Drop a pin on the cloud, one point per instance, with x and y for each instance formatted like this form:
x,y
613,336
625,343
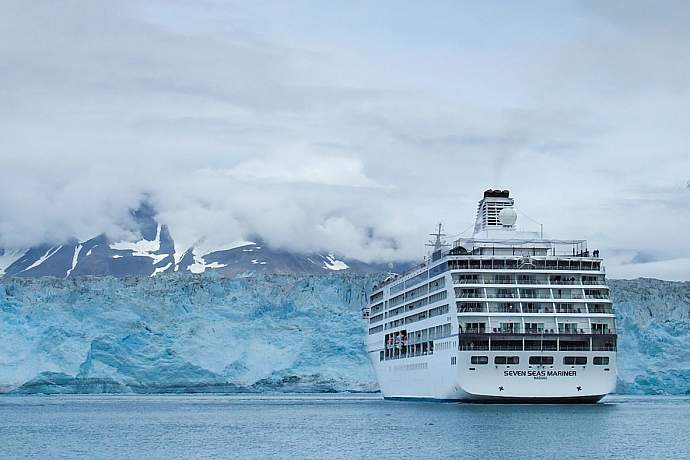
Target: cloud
x,y
346,128
297,165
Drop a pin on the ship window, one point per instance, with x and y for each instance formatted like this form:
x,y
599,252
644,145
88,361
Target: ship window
x,y
601,360
571,360
506,360
541,360
380,355
479,360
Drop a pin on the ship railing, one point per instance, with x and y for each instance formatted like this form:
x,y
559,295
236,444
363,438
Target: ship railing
x,y
506,348
473,347
504,309
470,295
571,310
538,347
502,295
537,310
608,310
550,334
570,295
528,295
546,342
574,331
465,309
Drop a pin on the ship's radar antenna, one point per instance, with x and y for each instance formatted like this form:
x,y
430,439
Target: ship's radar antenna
x,y
438,242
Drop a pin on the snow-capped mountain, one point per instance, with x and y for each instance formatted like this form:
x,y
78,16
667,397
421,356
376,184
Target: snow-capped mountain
x,y
155,252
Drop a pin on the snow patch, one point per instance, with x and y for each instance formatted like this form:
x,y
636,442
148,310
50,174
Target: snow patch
x,y
143,248
158,257
117,256
161,269
75,259
8,257
49,253
239,244
331,263
200,265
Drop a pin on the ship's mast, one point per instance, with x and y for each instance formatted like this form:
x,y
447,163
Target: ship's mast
x,y
438,242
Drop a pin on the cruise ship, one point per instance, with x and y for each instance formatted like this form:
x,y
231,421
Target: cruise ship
x,y
505,316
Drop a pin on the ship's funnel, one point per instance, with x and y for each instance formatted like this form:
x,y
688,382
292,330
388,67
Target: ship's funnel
x,y
495,212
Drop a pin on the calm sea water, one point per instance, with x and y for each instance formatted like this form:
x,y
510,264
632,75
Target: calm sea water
x,y
325,426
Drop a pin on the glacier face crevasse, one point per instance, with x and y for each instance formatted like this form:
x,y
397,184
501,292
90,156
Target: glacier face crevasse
x,y
181,333
177,333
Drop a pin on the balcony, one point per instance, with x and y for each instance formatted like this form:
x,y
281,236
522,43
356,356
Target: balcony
x,y
603,331
507,346
541,345
538,331
573,331
568,295
504,309
468,281
537,309
515,329
463,308
502,295
570,309
470,295
602,296
532,281
601,309
538,295
499,281
564,282
533,342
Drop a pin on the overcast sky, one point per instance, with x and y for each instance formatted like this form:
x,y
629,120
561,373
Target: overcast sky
x,y
349,126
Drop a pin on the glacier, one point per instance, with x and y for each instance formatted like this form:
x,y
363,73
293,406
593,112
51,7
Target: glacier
x,y
266,333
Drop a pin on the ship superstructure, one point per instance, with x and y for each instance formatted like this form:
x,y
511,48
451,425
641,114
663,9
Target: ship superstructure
x,y
503,316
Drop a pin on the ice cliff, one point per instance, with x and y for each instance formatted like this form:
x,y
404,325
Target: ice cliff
x,y
653,319
177,333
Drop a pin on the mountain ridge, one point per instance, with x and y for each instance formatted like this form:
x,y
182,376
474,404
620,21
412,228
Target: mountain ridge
x,y
156,252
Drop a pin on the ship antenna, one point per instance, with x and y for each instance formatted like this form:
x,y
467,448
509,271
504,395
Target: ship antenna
x,y
438,242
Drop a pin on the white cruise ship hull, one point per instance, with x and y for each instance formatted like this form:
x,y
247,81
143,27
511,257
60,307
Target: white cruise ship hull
x,y
505,316
431,378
